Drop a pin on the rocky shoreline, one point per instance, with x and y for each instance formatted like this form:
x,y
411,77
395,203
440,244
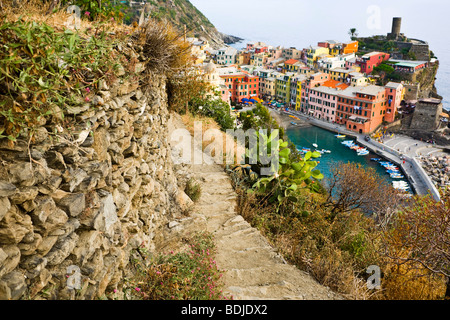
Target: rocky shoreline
x,y
438,168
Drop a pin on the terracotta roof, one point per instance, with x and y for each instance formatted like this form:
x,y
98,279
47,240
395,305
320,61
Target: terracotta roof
x,y
291,61
335,84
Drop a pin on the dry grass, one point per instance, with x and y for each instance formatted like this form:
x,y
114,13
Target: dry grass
x,y
208,144
37,10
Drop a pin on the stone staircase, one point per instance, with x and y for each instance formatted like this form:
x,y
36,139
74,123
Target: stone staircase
x,y
253,269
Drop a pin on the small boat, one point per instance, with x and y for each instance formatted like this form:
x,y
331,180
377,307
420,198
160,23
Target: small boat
x,y
396,176
325,151
375,159
315,145
363,153
393,171
340,136
392,168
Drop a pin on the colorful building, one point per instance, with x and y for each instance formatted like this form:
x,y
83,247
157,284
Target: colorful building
x,y
350,47
241,84
291,53
313,53
313,81
226,56
371,60
283,87
395,94
364,109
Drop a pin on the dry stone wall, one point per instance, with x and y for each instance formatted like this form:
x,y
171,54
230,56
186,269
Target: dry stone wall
x,y
79,202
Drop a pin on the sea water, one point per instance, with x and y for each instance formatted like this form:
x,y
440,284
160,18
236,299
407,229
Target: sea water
x,y
305,137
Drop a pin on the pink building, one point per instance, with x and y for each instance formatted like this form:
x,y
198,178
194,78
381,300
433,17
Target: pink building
x,y
314,80
323,103
394,94
371,60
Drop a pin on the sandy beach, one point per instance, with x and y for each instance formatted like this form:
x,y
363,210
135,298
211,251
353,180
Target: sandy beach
x,y
285,121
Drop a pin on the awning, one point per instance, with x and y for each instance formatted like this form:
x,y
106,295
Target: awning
x,y
352,118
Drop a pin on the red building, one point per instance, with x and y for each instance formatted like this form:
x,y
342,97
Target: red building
x,y
371,60
241,85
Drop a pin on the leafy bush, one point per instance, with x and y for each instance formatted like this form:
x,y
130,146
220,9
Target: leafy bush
x,y
44,71
193,190
190,274
287,176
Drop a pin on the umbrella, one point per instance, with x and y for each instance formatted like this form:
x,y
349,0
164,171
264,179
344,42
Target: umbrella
x,y
252,101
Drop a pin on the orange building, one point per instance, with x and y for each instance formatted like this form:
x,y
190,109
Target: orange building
x,y
362,109
241,85
351,47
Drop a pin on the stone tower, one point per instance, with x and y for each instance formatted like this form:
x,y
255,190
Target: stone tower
x,y
396,28
426,115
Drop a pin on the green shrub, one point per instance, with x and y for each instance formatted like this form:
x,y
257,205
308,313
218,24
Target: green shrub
x,y
193,190
191,274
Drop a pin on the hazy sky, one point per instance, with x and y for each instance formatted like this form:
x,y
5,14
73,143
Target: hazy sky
x,y
300,23
307,22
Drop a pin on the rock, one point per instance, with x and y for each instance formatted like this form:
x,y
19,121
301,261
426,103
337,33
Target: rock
x,y
55,160
30,248
14,226
40,283
47,217
73,179
7,189
88,243
34,265
62,249
22,173
5,205
24,194
73,204
12,286
11,258
107,216
77,110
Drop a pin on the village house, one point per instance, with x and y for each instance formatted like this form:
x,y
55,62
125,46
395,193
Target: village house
x,y
291,53
267,83
240,83
408,66
313,81
313,53
212,76
371,60
283,87
364,109
226,56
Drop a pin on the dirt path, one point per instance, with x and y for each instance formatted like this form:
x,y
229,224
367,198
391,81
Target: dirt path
x,y
253,268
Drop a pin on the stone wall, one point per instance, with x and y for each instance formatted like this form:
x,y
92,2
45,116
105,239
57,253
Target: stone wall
x,y
75,204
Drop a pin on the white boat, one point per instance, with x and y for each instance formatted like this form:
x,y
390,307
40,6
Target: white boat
x,y
363,153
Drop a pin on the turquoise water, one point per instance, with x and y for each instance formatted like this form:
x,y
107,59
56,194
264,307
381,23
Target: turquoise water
x,y
306,137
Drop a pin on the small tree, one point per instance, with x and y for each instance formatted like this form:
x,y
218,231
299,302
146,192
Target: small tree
x,y
352,187
353,32
421,234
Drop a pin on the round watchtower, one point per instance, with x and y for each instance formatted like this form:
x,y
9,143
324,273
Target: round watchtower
x,y
396,26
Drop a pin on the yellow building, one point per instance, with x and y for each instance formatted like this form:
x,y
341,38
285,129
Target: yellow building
x,y
313,53
283,87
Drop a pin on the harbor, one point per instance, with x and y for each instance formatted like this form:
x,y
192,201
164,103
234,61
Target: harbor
x,y
419,182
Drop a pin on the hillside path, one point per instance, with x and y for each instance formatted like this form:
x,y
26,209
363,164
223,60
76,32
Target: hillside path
x,y
253,270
